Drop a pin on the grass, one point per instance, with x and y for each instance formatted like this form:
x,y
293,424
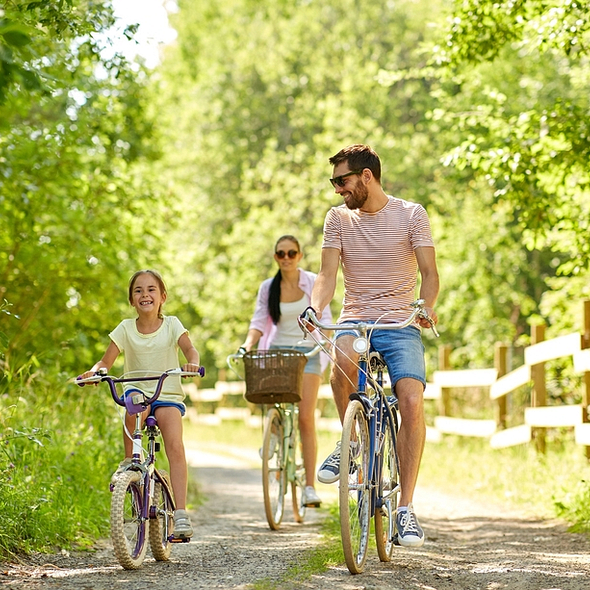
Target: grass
x,y
545,485
59,445
57,449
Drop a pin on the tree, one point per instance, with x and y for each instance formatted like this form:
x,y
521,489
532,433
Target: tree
x,y
79,211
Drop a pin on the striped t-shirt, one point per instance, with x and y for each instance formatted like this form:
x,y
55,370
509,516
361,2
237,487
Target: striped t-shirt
x,y
377,256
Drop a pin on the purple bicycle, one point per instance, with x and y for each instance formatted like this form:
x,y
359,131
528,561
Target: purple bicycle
x,y
142,503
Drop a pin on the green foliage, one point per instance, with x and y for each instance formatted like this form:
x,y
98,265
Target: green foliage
x,y
57,450
574,507
520,111
80,210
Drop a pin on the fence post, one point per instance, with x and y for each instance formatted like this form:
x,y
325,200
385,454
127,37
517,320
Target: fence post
x,y
500,364
586,387
444,364
539,393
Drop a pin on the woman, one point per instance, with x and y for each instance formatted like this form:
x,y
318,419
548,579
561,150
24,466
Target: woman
x,y
274,325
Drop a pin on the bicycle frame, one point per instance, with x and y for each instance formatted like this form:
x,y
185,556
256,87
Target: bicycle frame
x,y
369,464
377,412
142,502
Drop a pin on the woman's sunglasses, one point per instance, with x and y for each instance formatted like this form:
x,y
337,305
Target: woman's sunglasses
x,y
291,254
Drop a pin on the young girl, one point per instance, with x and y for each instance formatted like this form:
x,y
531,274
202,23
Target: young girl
x,y
150,343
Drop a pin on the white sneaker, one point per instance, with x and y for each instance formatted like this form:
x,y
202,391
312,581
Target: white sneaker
x,y
310,498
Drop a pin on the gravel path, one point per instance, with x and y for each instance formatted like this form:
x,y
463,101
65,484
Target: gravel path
x,y
469,546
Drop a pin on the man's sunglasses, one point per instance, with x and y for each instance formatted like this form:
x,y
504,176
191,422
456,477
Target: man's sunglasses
x,y
291,254
339,180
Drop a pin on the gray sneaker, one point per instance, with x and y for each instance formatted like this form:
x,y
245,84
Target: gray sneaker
x,y
182,525
329,471
409,531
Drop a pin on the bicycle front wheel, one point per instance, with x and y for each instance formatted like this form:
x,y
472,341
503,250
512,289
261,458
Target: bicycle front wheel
x,y
388,490
161,519
128,528
274,472
354,493
298,474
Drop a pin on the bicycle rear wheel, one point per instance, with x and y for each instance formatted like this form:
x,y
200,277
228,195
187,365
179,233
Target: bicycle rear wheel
x,y
161,519
354,493
128,529
274,472
388,490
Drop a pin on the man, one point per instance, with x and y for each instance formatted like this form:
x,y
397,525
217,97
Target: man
x,y
381,242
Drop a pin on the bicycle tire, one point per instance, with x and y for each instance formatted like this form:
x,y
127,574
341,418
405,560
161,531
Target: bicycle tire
x,y
355,488
388,490
298,474
129,530
161,519
274,472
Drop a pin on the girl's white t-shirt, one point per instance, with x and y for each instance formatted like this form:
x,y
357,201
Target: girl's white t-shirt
x,y
152,352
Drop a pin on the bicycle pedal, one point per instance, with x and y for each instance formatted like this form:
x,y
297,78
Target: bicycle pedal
x,y
172,539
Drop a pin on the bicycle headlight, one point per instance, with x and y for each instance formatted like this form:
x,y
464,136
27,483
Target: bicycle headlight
x,y
360,345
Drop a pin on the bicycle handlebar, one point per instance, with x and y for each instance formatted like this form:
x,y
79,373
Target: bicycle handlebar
x,y
309,315
101,375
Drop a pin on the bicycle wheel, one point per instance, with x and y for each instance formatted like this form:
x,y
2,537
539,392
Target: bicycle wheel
x,y
388,489
298,475
161,519
128,528
274,473
354,493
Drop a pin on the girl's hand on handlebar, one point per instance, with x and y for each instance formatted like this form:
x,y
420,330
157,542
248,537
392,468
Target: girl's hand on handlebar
x,y
190,368
88,375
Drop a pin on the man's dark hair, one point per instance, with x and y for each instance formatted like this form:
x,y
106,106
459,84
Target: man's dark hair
x,y
359,157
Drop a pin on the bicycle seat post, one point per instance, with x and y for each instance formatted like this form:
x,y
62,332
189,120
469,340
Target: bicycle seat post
x,y
137,436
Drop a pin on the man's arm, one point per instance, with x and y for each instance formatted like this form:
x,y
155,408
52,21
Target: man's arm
x,y
426,257
325,283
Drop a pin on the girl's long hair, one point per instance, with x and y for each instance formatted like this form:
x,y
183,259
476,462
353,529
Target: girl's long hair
x,y
274,295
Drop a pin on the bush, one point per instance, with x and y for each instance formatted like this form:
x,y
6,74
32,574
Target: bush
x,y
59,445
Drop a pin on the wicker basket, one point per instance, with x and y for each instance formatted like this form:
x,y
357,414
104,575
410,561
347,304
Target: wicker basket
x,y
274,376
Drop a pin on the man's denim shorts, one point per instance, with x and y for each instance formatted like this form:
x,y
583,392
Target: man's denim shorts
x,y
402,350
312,366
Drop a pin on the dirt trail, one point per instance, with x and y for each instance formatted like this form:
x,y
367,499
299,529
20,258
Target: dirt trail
x,y
469,546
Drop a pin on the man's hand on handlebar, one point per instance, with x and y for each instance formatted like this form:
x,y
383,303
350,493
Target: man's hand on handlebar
x,y
304,323
431,320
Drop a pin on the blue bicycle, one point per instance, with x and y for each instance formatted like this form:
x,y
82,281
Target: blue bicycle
x,y
370,487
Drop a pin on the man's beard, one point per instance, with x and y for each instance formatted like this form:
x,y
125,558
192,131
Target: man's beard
x,y
357,196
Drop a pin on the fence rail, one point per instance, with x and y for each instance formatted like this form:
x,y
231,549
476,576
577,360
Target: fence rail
x,y
501,384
